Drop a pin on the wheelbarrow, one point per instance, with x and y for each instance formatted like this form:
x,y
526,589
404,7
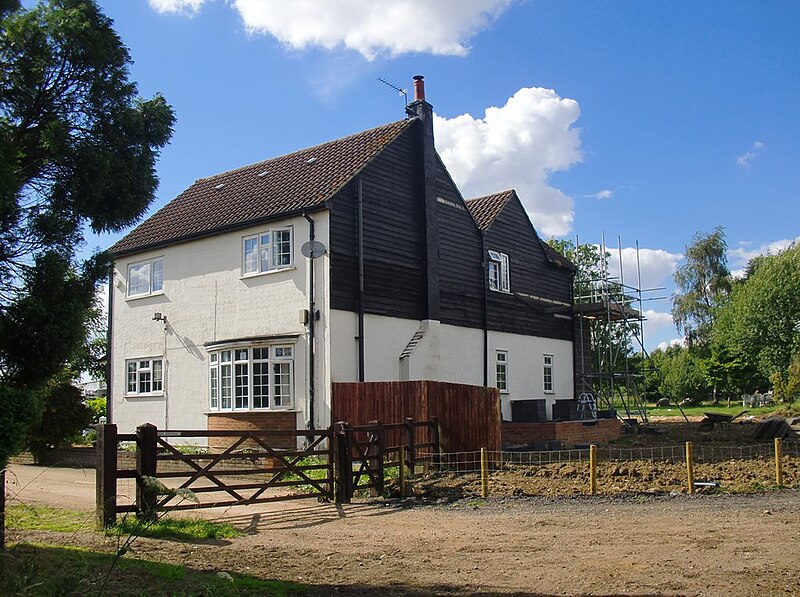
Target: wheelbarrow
x,y
720,420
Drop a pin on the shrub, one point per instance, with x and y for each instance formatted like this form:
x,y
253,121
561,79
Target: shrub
x,y
64,417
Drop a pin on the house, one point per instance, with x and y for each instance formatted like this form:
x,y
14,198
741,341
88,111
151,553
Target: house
x,y
241,301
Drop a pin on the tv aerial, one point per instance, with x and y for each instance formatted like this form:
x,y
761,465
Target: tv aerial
x,y
399,90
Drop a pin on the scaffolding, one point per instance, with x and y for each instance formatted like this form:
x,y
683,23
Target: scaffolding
x,y
609,318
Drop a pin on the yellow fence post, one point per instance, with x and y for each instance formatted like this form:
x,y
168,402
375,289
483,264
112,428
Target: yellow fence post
x,y
778,456
592,469
689,467
402,471
484,473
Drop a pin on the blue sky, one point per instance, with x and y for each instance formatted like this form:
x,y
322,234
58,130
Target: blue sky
x,y
647,121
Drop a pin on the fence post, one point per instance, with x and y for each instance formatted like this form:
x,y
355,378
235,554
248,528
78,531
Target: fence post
x,y
412,450
106,475
402,471
778,457
592,469
689,467
484,473
436,441
146,495
344,464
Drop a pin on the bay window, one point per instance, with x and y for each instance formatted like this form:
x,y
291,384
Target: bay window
x,y
251,378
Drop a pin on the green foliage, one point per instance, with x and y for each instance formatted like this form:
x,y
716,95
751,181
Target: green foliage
x,y
760,322
18,410
681,375
45,518
786,384
63,418
50,570
175,528
78,149
98,406
703,282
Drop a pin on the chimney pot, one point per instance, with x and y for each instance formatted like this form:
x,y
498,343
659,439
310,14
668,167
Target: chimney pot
x,y
419,88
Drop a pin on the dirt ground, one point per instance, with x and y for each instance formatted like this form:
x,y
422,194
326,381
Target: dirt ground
x,y
638,544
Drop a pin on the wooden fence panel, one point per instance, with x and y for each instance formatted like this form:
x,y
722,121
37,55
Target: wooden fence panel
x,y
469,415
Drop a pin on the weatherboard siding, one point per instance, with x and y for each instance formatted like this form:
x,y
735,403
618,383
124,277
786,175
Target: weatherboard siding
x,y
530,273
393,229
460,263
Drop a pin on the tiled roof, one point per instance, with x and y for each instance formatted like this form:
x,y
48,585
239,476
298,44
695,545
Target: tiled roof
x,y
485,209
287,184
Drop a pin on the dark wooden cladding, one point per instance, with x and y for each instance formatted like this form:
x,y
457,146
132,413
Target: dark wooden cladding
x,y
469,415
393,228
530,273
460,270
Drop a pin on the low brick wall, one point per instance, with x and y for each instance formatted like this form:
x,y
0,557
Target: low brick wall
x,y
247,421
569,433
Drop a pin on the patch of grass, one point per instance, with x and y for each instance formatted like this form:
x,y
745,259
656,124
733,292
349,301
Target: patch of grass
x,y
700,409
44,570
175,528
44,518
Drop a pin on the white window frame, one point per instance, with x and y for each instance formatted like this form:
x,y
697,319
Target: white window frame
x,y
155,277
548,374
144,377
499,272
266,254
238,364
501,363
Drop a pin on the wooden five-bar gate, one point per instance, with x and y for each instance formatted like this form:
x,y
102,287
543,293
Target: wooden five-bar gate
x,y
255,466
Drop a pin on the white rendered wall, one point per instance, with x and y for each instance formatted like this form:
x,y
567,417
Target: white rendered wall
x,y
450,353
206,299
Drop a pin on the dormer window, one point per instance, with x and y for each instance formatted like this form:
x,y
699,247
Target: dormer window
x,y
499,276
267,251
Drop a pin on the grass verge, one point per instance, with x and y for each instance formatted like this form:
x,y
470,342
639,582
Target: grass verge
x,y
187,529
35,569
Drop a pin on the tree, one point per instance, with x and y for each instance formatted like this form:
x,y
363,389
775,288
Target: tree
x,y
760,322
703,282
682,376
77,148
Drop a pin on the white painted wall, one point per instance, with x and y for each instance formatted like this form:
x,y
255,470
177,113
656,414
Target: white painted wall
x,y
206,299
450,353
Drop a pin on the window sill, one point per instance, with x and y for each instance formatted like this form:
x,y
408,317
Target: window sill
x,y
267,273
500,291
251,411
550,392
151,395
136,297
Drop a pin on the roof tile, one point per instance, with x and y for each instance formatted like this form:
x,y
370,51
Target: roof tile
x,y
254,193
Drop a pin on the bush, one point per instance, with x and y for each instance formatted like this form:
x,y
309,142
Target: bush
x,y
99,408
64,417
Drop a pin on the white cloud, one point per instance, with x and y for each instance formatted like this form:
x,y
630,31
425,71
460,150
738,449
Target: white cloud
x,y
673,342
516,146
604,194
370,28
740,256
656,266
184,7
743,161
656,321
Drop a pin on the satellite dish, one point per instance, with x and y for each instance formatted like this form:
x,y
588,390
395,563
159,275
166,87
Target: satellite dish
x,y
312,249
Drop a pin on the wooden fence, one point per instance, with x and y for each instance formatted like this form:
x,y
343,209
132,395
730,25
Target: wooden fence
x,y
333,464
469,416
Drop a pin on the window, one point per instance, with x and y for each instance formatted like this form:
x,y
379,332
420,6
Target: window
x,y
502,371
251,378
548,374
267,251
144,376
499,272
146,277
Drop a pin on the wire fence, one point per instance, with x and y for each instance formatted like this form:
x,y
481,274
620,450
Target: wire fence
x,y
470,462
